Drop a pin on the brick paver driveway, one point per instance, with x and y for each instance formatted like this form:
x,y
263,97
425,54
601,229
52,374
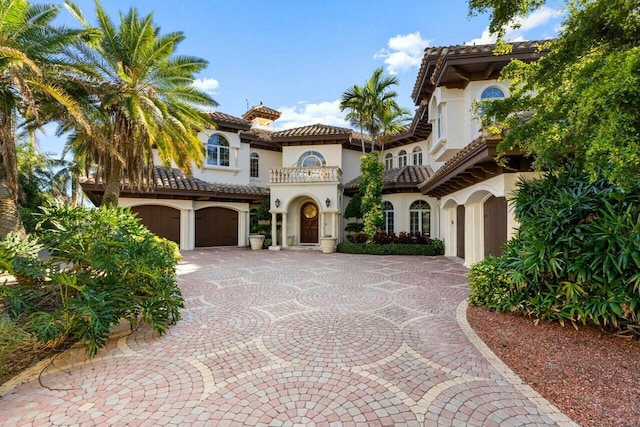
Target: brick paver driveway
x,y
293,338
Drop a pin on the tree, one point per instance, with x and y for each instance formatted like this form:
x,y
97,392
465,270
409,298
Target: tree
x,y
371,189
145,100
583,97
373,107
29,76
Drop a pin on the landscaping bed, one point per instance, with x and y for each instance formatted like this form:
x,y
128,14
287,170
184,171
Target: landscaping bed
x,y
591,376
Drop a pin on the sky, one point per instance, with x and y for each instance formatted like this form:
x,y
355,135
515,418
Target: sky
x,y
299,56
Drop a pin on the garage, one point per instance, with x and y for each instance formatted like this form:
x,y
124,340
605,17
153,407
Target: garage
x,y
162,221
216,227
495,225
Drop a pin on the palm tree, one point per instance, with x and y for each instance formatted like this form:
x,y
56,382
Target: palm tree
x,y
145,100
29,72
374,107
392,121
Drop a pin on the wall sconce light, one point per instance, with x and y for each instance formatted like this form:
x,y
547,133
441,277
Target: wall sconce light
x,y
277,203
327,202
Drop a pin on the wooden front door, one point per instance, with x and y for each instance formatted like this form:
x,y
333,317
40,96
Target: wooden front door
x,y
495,225
460,231
216,227
309,223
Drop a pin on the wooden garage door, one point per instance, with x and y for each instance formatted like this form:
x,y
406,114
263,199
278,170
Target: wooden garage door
x,y
495,225
162,221
460,231
216,227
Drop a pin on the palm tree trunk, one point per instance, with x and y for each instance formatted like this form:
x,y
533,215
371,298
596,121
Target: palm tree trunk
x,y
10,220
111,194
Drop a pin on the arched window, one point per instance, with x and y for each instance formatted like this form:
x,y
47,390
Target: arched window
x,y
254,167
388,161
310,159
417,156
420,218
491,93
402,158
388,216
218,151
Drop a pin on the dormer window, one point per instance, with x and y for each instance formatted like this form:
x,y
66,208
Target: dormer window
x,y
218,153
311,159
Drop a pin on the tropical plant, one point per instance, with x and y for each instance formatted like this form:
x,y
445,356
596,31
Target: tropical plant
x,y
30,72
104,266
370,187
145,100
373,107
581,96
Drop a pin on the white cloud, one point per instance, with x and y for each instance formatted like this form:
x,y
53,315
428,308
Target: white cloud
x,y
303,114
207,85
403,53
534,20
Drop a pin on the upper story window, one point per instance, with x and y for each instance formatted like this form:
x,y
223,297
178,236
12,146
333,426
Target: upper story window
x,y
388,216
402,158
491,93
439,124
218,151
310,159
388,161
254,167
417,156
420,218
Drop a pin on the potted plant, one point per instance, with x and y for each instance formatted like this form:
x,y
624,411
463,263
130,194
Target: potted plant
x,y
328,244
256,241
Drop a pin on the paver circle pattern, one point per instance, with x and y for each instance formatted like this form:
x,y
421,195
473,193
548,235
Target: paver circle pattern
x,y
292,338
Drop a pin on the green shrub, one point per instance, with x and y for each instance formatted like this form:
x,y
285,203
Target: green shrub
x,y
576,256
489,284
354,227
435,248
103,267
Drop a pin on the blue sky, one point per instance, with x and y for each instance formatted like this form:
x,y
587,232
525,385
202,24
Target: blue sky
x,y
299,56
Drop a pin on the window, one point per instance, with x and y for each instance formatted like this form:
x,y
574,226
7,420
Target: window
x,y
417,156
402,158
492,93
420,218
388,216
388,161
254,167
217,151
310,159
439,122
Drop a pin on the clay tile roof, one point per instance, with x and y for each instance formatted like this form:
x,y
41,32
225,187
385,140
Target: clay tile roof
x,y
227,120
175,179
313,130
262,111
406,177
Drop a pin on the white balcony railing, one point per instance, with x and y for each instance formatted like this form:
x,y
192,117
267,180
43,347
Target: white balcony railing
x,y
303,175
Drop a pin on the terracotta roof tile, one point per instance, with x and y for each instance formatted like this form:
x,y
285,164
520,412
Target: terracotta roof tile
x,y
224,119
313,130
404,177
261,111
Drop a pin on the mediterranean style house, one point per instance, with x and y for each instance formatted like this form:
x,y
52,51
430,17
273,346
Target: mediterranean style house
x,y
441,177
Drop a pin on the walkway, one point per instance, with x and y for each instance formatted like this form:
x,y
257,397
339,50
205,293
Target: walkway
x,y
293,338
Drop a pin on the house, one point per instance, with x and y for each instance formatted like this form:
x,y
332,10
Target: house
x,y
440,178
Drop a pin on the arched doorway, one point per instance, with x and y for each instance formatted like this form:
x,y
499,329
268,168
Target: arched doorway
x,y
162,221
309,223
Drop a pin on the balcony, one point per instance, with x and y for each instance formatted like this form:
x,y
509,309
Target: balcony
x,y
304,175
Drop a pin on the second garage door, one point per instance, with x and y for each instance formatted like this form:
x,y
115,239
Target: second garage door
x,y
216,227
160,220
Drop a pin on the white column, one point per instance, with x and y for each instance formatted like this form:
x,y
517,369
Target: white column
x,y
334,231
473,233
274,231
284,230
242,229
321,230
187,229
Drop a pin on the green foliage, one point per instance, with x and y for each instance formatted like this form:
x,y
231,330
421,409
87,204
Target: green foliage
x,y
435,248
354,227
576,257
489,284
583,95
103,267
354,207
371,189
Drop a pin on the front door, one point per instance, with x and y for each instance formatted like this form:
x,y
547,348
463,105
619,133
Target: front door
x,y
309,223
